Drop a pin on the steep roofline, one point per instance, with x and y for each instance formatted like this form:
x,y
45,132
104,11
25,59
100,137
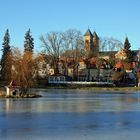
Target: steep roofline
x,y
88,33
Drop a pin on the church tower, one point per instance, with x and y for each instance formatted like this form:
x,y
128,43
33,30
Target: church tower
x,y
95,43
91,44
88,43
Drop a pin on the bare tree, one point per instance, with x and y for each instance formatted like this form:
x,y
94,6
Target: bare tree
x,y
72,44
110,44
23,70
52,43
73,41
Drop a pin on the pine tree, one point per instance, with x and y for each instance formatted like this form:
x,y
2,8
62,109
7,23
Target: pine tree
x,y
6,58
28,43
127,49
127,45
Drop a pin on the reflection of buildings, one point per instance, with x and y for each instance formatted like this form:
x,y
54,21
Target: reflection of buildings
x,y
78,101
19,105
8,105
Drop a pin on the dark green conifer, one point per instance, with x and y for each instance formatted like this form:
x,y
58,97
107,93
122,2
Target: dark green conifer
x,y
127,49
29,42
127,45
6,57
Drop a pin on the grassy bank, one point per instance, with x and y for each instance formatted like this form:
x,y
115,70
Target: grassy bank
x,y
90,88
101,88
114,88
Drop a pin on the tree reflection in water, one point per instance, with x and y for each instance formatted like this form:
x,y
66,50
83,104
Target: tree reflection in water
x,y
71,114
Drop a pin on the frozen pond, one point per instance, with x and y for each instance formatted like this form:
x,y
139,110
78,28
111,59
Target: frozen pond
x,y
71,115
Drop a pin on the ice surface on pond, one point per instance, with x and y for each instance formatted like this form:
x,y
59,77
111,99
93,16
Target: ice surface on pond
x,y
71,115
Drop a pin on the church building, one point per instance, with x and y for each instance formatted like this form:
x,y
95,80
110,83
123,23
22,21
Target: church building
x,y
91,44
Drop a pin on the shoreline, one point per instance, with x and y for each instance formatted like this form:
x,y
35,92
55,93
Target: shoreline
x,y
89,88
97,89
27,95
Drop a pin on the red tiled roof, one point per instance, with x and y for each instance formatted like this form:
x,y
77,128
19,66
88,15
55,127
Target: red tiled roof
x,y
119,65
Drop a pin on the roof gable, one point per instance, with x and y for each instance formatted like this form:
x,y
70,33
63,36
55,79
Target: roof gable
x,y
88,33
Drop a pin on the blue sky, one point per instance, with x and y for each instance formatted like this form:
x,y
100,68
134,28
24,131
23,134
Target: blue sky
x,y
109,18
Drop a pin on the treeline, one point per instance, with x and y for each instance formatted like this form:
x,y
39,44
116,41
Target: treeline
x,y
15,65
22,66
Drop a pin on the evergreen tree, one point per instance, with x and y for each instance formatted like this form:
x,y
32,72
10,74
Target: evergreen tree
x,y
127,45
6,58
127,49
28,43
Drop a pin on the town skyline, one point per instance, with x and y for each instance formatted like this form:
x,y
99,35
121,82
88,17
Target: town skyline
x,y
116,19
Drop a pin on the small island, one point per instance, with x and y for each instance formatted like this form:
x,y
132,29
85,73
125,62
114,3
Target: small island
x,y
28,95
13,91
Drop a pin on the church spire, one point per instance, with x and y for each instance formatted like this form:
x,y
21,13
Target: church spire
x,y
95,35
88,33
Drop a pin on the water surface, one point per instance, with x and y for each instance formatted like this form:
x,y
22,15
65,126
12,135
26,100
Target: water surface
x,y
71,115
